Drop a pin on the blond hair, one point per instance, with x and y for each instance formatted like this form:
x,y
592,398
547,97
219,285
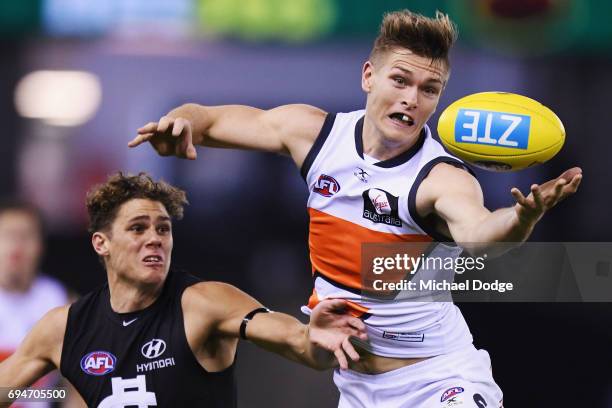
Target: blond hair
x,y
426,37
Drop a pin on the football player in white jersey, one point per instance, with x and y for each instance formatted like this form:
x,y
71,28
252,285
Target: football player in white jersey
x,y
25,295
404,77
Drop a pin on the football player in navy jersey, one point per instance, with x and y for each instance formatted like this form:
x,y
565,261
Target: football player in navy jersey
x,y
156,337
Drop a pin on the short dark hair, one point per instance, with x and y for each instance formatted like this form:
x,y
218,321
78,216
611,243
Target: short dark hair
x,y
104,200
424,36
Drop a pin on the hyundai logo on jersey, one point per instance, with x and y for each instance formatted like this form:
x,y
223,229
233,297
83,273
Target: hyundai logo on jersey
x,y
98,363
326,185
380,207
153,348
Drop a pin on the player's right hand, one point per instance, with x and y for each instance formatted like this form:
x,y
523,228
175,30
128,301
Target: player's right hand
x,y
543,197
169,137
331,327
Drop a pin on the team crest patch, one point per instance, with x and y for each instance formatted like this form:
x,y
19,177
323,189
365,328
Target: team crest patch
x,y
381,207
451,392
326,186
98,363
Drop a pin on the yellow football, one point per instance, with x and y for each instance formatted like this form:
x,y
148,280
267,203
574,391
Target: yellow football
x,y
501,131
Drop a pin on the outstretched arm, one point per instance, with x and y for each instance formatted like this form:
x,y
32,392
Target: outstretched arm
x,y
314,345
456,197
39,353
331,326
288,129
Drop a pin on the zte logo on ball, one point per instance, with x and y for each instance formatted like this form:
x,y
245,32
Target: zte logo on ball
x,y
326,185
492,128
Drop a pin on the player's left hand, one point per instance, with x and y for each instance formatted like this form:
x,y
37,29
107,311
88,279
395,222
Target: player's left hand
x,y
170,136
331,326
545,196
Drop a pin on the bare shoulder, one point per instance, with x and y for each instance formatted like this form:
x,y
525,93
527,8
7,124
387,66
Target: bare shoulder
x,y
209,291
53,324
445,180
446,175
217,299
212,308
199,297
298,126
47,337
304,120
200,313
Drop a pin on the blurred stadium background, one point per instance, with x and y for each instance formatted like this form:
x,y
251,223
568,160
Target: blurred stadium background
x,y
79,76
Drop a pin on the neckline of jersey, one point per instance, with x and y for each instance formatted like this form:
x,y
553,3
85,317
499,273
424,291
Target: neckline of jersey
x,y
120,318
393,161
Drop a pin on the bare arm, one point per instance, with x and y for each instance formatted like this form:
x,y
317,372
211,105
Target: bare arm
x,y
330,327
316,344
288,129
456,197
38,354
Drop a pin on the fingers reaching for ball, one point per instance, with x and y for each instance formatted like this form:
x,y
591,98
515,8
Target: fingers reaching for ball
x,y
545,196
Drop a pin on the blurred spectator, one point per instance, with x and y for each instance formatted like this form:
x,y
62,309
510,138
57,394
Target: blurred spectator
x,y
25,295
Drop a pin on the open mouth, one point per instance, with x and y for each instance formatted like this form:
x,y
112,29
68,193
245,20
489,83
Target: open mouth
x,y
402,119
153,260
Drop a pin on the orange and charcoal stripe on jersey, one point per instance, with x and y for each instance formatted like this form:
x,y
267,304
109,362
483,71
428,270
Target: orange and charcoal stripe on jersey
x,y
355,309
335,246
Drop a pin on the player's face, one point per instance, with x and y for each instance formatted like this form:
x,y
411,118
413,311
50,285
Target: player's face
x,y
140,242
20,249
403,92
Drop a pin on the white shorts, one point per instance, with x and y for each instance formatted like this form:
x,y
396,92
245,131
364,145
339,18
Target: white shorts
x,y
459,379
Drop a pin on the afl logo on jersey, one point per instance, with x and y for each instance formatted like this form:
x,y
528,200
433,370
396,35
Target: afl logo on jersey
x,y
153,348
381,207
326,185
98,363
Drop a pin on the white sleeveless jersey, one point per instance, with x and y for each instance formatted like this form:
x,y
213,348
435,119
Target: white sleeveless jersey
x,y
20,311
353,201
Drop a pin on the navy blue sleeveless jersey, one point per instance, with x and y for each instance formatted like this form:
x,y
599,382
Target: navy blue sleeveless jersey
x,y
142,358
